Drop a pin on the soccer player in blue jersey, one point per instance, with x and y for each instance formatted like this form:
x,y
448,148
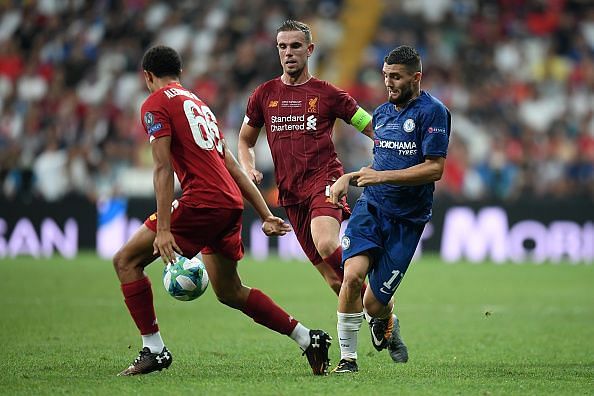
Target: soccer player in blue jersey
x,y
412,132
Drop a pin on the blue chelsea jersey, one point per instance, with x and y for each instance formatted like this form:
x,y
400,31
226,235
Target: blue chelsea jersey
x,y
403,139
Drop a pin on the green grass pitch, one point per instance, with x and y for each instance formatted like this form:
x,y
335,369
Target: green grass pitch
x,y
482,329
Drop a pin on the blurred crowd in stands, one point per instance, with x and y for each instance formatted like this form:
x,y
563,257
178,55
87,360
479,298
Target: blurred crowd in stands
x,y
517,75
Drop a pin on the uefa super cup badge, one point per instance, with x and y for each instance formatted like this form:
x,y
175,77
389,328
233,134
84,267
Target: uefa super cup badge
x,y
409,125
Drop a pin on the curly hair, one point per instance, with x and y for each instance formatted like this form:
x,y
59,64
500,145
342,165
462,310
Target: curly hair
x,y
162,61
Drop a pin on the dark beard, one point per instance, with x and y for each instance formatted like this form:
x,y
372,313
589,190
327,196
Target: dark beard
x,y
403,98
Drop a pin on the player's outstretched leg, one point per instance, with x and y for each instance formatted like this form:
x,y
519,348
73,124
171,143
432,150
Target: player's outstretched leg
x,y
317,351
262,309
147,362
398,351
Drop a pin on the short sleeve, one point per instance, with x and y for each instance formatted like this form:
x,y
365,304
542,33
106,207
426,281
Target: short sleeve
x,y
254,116
344,104
436,131
155,118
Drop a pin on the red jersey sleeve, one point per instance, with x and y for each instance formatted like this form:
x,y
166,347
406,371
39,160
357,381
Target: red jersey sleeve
x,y
254,114
155,118
344,105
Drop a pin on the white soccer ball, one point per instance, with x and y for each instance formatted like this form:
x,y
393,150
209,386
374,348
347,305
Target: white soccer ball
x,y
186,279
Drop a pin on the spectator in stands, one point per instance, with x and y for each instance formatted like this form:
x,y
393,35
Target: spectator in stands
x,y
526,64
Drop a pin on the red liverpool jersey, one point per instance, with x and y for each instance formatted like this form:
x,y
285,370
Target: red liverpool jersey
x,y
299,121
196,147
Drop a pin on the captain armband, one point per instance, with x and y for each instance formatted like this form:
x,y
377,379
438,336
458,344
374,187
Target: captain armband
x,y
360,119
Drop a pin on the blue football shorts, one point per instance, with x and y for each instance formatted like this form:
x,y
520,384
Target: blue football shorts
x,y
390,242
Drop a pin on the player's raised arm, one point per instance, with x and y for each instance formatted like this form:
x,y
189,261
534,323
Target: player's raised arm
x,y
248,135
271,225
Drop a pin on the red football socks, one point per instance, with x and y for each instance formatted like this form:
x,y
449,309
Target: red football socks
x,y
264,311
139,300
335,261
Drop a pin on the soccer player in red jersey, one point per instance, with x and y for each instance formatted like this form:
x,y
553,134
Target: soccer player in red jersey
x,y
185,138
299,112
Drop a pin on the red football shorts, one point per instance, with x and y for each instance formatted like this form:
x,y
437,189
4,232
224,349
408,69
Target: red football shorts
x,y
206,230
301,215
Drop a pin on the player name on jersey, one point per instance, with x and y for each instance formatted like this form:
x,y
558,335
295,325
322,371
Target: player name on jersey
x,y
173,92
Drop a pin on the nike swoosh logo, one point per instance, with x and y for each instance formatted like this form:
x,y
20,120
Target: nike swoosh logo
x,y
379,126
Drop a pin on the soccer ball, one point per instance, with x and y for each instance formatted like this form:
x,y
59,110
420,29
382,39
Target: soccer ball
x,y
186,279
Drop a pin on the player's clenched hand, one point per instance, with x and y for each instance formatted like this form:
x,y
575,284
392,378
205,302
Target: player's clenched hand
x,y
255,175
367,176
164,245
275,226
339,189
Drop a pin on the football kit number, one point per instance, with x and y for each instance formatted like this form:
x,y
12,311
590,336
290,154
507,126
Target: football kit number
x,y
204,127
